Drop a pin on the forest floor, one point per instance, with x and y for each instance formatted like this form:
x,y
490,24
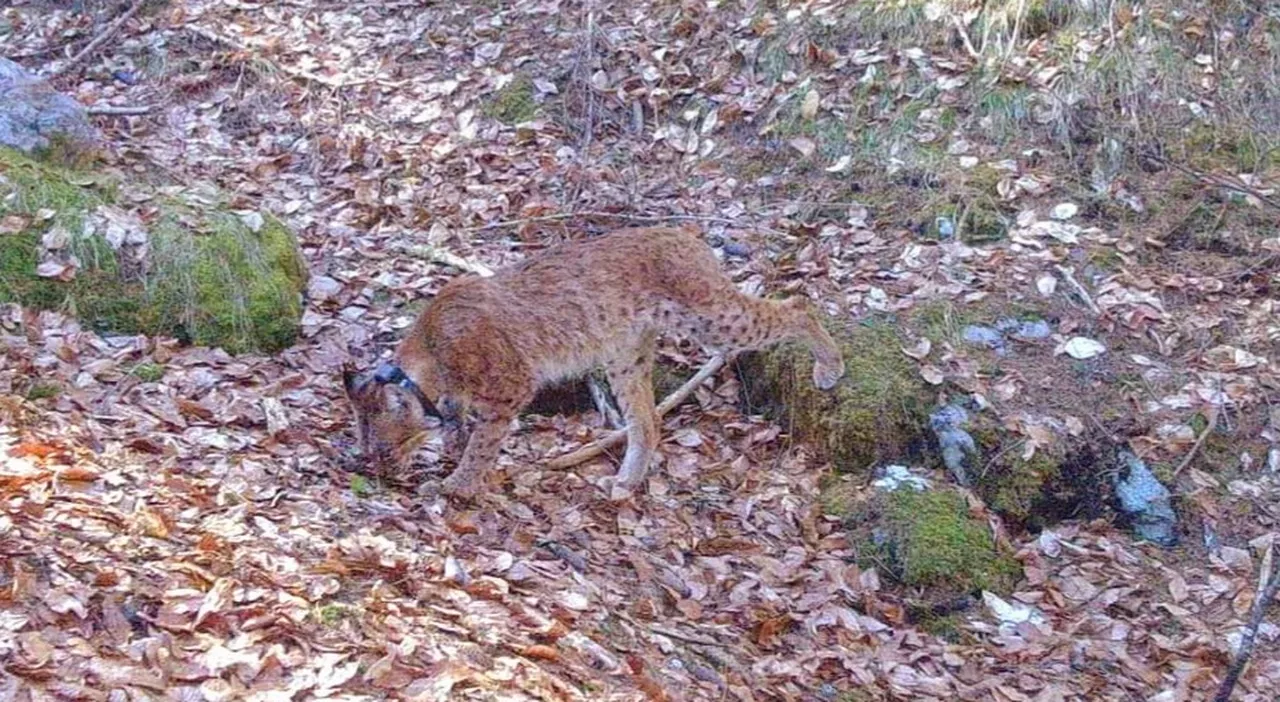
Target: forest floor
x,y
177,522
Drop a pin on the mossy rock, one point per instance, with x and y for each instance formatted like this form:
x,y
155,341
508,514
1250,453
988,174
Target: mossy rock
x,y
930,543
1063,480
1016,487
878,411
203,276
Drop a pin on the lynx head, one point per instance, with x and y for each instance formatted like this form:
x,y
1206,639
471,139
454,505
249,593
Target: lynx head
x,y
391,417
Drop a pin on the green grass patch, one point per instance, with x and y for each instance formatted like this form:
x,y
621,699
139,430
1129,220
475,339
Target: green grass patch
x,y
361,486
148,372
513,103
43,391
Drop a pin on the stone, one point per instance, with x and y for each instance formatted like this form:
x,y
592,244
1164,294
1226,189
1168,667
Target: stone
x,y
34,117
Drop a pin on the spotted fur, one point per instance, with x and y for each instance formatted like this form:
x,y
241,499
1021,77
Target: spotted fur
x,y
484,346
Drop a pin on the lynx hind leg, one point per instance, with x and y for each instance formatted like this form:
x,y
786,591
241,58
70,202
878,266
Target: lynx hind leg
x,y
741,322
631,378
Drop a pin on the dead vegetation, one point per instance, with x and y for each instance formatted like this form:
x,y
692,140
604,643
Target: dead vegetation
x,y
901,162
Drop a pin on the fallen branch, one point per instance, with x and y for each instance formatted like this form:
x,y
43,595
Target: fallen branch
x,y
118,110
1079,290
1216,180
448,258
1213,423
614,438
1266,593
615,215
964,36
604,402
99,40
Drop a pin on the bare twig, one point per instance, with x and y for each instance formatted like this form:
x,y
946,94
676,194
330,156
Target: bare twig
x,y
1216,180
614,438
589,127
1266,593
448,258
615,215
687,638
1079,290
118,110
299,73
668,632
1213,423
99,40
604,402
964,36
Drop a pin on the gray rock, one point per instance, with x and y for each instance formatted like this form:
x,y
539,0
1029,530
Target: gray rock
x,y
1146,501
1034,329
995,336
957,445
979,335
1024,330
322,288
32,113
895,477
945,227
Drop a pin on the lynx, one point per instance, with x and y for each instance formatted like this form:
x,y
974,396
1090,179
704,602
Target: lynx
x,y
482,348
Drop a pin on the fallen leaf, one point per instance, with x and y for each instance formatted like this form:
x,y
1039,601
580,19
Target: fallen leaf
x,y
1081,348
920,349
809,107
1064,211
539,652
804,145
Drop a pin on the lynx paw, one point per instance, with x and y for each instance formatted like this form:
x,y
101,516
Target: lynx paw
x,y
617,490
826,376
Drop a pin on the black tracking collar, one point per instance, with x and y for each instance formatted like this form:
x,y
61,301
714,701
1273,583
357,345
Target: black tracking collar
x,y
391,374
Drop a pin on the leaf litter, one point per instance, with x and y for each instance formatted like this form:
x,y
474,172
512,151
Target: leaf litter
x,y
193,535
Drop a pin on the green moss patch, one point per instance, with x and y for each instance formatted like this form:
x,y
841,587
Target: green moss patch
x,y
513,103
1015,487
929,542
938,543
206,276
879,410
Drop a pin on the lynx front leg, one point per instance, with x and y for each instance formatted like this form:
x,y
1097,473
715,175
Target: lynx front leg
x,y
480,454
631,378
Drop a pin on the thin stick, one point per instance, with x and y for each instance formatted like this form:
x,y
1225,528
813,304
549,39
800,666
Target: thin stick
x,y
615,215
287,70
591,94
448,258
964,35
99,40
614,438
1213,423
118,110
1266,595
604,402
1213,179
1070,277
